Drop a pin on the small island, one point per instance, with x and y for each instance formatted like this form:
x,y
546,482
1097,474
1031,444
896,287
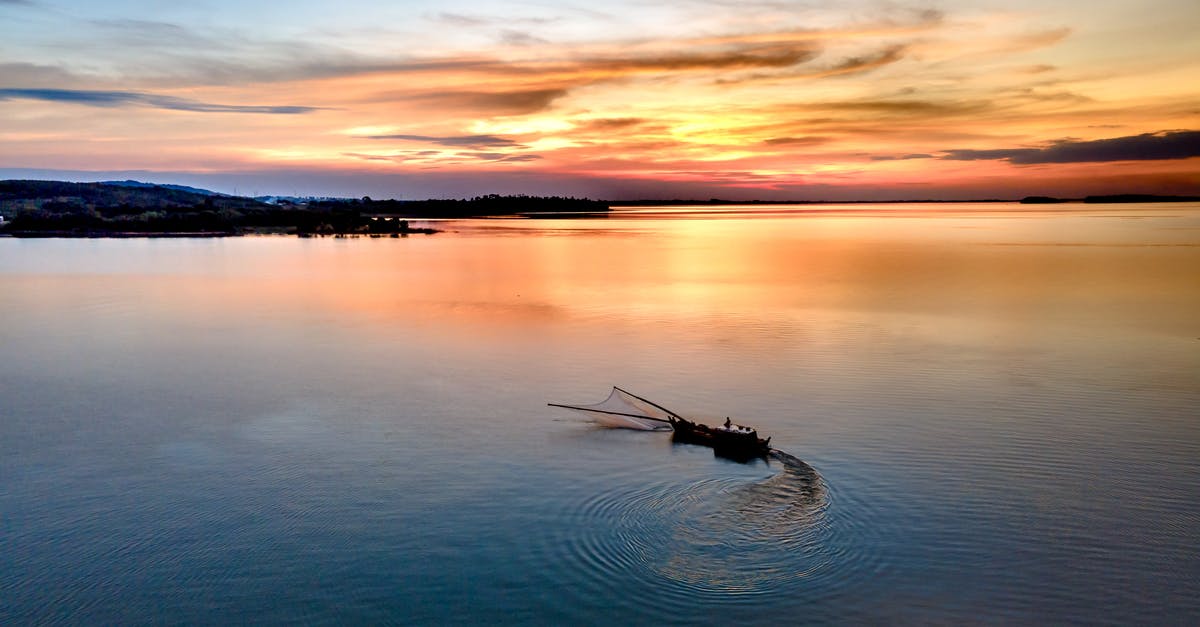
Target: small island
x,y
135,209
1108,199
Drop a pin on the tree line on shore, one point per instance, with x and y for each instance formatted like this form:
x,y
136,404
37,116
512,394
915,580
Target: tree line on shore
x,y
45,207
32,208
479,206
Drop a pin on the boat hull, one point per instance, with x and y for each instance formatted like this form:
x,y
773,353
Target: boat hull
x,y
736,445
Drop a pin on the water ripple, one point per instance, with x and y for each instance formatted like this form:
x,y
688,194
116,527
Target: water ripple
x,y
717,540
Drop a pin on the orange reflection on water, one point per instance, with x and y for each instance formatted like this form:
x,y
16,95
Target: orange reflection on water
x,y
988,270
985,273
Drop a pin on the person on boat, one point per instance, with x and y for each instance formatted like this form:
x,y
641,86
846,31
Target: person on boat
x,y
727,422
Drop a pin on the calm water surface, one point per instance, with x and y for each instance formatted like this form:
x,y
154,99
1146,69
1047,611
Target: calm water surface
x,y
995,407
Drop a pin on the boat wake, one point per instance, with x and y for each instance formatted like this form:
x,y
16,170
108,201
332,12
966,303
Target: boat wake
x,y
722,538
744,538
687,534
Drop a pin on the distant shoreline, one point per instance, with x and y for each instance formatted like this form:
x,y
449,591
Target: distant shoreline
x,y
1103,199
128,209
116,234
101,234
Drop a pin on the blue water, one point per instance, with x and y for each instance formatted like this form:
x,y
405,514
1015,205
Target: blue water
x,y
992,411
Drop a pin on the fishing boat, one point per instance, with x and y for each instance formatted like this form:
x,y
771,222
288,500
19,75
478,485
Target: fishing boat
x,y
627,410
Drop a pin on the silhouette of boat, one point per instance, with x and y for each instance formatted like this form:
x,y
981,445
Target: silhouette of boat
x,y
627,410
729,440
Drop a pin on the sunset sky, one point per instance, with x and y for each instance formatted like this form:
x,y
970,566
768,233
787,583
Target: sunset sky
x,y
767,99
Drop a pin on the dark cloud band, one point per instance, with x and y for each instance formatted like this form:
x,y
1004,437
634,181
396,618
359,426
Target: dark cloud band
x,y
455,141
94,98
1145,147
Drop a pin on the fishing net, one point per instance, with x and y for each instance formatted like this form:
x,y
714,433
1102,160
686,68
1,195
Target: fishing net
x,y
625,411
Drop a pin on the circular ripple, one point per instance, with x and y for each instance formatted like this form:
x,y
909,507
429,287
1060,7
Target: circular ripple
x,y
713,541
852,532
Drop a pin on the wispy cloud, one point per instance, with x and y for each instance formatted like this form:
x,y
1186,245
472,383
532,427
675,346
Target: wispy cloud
x,y
37,75
612,124
795,141
866,63
546,82
751,56
155,52
514,102
460,19
859,64
438,158
1042,39
520,38
894,106
501,157
994,154
908,157
143,32
1163,145
467,20
457,141
95,98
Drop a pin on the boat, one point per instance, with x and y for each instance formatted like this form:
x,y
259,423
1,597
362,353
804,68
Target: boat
x,y
728,440
624,409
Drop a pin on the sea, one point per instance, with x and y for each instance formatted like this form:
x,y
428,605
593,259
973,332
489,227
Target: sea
x,y
983,414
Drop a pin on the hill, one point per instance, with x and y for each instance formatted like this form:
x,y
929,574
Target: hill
x,y
116,208
62,208
111,197
182,188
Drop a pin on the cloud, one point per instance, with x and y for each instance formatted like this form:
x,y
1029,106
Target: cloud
x,y
612,124
367,157
135,31
520,38
1043,38
847,67
751,56
520,158
163,53
917,155
795,141
404,156
857,65
888,116
495,103
1039,69
456,141
1145,147
839,111
437,158
460,19
987,155
33,74
893,106
152,52
95,98
585,69
500,157
561,76
463,20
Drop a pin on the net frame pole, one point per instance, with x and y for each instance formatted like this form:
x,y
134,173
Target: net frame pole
x,y
652,403
614,413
